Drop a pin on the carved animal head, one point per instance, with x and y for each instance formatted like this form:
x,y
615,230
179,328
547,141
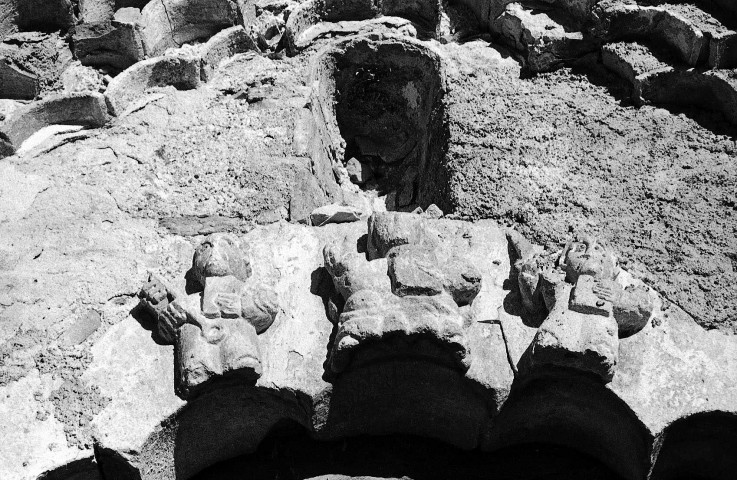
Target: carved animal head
x,y
588,256
220,255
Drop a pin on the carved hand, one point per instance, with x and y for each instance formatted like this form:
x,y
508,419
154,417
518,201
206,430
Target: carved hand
x,y
608,290
155,296
229,304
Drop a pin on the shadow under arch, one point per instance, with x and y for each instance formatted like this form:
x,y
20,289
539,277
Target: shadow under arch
x,y
221,423
578,412
700,446
296,457
408,397
379,98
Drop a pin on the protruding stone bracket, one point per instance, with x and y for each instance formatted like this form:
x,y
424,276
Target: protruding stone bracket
x,y
215,328
588,303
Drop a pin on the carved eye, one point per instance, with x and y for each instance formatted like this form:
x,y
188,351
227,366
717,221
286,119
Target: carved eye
x,y
581,248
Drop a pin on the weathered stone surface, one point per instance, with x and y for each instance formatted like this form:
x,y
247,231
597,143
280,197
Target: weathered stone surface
x,y
180,72
232,419
117,44
674,369
421,316
301,39
632,61
32,62
223,45
172,23
614,21
215,327
81,329
91,11
713,90
44,15
655,81
721,39
77,78
359,172
42,445
420,270
588,302
334,214
17,83
569,339
268,30
8,17
76,109
545,42
81,236
17,192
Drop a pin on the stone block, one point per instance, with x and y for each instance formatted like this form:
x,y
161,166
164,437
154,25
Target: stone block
x,y
172,23
16,83
334,214
414,271
116,44
545,42
74,109
584,300
224,45
425,270
571,340
618,21
182,73
723,50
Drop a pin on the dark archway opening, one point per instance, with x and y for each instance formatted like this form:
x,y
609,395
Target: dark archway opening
x,y
700,447
296,456
563,407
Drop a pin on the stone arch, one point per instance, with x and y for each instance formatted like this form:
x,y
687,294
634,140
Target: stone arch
x,y
700,446
380,97
574,411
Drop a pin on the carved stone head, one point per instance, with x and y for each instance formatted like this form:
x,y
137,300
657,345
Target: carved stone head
x,y
588,256
218,256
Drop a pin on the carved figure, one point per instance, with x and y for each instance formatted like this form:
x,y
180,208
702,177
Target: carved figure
x,y
587,307
404,300
214,329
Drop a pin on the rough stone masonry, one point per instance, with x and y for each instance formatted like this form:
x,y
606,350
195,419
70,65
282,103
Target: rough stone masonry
x,y
357,239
